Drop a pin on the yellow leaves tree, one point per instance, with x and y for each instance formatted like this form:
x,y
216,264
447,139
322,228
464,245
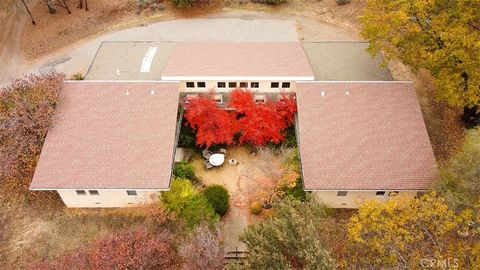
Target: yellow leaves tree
x,y
441,36
410,233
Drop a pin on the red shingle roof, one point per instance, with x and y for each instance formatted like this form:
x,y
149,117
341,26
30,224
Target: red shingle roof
x,y
371,138
237,60
104,138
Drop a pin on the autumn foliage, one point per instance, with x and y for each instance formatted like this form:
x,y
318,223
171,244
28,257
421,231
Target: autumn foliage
x,y
135,248
255,123
26,110
213,125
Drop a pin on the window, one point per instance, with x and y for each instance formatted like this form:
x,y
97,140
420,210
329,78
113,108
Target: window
x,y
218,99
380,193
274,85
254,85
285,85
131,192
93,192
243,84
201,84
221,84
341,193
259,98
232,84
190,84
81,192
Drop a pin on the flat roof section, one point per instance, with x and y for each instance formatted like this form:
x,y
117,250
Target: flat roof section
x,y
363,136
110,135
344,61
238,60
134,60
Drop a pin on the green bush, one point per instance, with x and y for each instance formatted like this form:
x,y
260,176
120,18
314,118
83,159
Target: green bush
x,y
270,2
183,170
255,208
186,139
290,137
198,210
190,205
218,197
296,192
183,3
180,194
342,2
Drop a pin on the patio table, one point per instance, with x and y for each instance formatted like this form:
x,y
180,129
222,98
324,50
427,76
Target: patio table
x,y
216,159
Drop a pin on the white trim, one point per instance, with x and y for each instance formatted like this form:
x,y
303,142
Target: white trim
x,y
353,82
237,78
122,81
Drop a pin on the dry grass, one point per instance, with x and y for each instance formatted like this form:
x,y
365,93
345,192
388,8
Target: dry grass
x,y
37,225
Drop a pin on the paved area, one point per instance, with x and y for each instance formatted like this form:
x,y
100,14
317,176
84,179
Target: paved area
x,y
344,61
77,58
130,60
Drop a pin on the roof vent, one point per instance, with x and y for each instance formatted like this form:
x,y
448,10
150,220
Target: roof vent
x,y
347,93
127,93
323,94
152,92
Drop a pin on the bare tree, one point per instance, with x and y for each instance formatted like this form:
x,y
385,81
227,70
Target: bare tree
x,y
80,4
204,250
28,11
64,5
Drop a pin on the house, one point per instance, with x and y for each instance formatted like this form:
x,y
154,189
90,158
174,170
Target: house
x,y
360,134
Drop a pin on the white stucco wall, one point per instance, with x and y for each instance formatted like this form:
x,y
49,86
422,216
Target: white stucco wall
x,y
353,199
264,87
108,198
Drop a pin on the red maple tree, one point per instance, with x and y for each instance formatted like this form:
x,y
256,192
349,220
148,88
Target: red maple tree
x,y
262,123
257,123
212,125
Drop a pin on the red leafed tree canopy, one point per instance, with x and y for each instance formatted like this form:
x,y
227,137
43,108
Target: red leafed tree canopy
x,y
256,123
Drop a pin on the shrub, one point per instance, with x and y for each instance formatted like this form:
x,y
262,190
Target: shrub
x,y
77,77
255,208
289,239
183,170
198,210
27,107
134,248
218,197
342,2
204,249
187,137
296,191
183,3
191,206
180,194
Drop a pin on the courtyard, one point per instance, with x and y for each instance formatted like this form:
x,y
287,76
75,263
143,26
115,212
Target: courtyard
x,y
254,178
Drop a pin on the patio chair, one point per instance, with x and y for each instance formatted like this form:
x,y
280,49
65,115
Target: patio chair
x,y
223,151
206,153
208,166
